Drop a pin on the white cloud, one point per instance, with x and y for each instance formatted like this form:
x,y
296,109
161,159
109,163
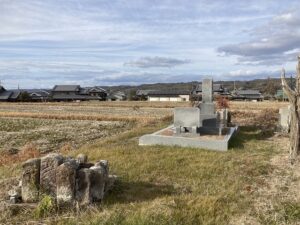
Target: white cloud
x,y
274,43
148,62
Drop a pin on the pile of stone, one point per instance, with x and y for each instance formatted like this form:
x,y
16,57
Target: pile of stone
x,y
68,180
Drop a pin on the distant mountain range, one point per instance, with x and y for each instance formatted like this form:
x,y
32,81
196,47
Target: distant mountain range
x,y
258,84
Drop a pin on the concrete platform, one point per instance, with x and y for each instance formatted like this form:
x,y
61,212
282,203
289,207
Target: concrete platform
x,y
210,141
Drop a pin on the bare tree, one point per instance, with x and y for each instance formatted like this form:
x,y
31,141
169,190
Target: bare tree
x,y
294,99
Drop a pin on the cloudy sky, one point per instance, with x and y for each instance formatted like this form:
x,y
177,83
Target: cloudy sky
x,y
112,42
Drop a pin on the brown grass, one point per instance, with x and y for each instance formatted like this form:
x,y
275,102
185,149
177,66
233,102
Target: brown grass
x,y
29,151
129,118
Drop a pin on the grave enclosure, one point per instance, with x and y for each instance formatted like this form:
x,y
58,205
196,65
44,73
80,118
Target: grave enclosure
x,y
198,127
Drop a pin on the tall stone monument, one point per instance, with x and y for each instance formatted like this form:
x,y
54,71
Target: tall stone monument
x,y
207,90
193,119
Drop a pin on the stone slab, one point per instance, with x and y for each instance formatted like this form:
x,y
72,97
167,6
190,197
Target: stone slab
x,y
209,144
207,108
65,184
186,117
31,180
284,118
49,163
83,187
208,120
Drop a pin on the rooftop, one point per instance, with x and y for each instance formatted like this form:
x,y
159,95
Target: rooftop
x,y
66,88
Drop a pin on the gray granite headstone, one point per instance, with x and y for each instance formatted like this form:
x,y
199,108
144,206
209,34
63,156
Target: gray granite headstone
x,y
207,90
186,117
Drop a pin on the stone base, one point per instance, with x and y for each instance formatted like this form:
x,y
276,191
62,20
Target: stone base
x,y
208,139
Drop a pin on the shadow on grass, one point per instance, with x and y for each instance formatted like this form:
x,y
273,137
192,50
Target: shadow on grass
x,y
249,133
130,192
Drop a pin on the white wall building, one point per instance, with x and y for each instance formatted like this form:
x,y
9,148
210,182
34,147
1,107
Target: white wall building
x,y
169,96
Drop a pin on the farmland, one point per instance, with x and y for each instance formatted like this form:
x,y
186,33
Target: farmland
x,y
51,135
249,184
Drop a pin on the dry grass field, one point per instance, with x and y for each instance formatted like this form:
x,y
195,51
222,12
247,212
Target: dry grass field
x,y
252,183
51,135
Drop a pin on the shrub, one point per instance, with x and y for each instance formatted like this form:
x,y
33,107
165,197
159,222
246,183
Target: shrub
x,y
222,102
45,207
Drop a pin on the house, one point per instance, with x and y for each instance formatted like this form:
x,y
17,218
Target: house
x,y
143,94
169,95
281,96
39,95
117,96
77,93
96,91
218,90
9,96
247,95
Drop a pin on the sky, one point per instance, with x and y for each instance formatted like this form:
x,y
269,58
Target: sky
x,y
131,42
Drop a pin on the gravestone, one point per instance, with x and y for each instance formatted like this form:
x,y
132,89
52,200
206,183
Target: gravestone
x,y
191,119
97,183
49,164
207,90
69,181
285,119
31,180
66,183
83,187
191,123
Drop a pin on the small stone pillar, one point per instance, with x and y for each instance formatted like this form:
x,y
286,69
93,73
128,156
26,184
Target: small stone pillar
x,y
83,187
65,183
82,158
49,164
31,180
99,179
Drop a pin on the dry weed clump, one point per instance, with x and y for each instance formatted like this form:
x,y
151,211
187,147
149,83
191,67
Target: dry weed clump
x,y
29,151
264,119
222,102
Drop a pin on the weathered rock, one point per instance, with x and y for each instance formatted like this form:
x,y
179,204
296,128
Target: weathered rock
x,y
110,183
82,158
70,181
72,161
85,165
83,187
31,180
15,195
65,183
98,180
105,166
49,164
